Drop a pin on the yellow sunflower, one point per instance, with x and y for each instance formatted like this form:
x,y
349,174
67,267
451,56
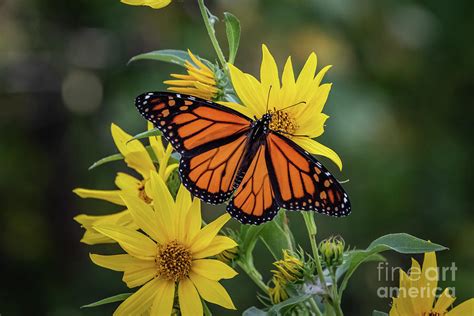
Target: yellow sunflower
x,y
137,157
295,104
288,270
171,253
155,4
417,293
199,82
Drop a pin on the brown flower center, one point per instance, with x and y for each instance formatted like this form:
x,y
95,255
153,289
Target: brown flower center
x,y
282,122
173,261
142,193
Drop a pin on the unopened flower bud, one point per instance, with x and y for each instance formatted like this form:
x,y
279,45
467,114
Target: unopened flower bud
x,y
332,250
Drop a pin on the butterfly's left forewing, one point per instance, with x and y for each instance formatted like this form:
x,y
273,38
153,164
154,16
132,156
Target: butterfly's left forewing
x,y
191,124
211,139
301,182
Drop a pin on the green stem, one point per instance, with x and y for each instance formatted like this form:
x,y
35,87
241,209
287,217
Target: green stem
x,y
212,33
253,274
315,307
312,231
336,299
286,228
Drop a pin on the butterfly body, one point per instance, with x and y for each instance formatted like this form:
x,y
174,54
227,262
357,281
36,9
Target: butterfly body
x,y
228,156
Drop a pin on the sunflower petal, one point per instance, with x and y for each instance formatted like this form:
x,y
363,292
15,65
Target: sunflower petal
x,y
189,300
158,4
444,301
133,242
269,70
163,204
415,277
316,148
136,271
200,64
314,106
213,269
112,196
245,89
193,220
316,128
163,302
211,291
126,182
306,76
237,107
140,301
207,234
429,280
93,237
136,156
183,203
404,301
118,262
217,245
136,276
169,170
463,309
144,216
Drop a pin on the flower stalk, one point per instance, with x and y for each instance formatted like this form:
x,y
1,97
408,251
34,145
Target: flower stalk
x,y
253,274
209,21
332,295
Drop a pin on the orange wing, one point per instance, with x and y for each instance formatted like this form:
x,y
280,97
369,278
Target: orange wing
x,y
212,174
253,201
301,182
191,124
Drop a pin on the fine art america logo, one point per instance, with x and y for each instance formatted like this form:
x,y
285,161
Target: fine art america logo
x,y
424,282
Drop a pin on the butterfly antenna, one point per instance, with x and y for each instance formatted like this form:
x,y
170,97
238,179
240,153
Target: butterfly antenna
x,y
302,102
268,97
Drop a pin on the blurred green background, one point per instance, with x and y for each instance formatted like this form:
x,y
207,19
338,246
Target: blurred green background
x,y
401,112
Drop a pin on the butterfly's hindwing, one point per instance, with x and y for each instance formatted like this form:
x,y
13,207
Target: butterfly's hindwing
x,y
254,201
213,175
302,182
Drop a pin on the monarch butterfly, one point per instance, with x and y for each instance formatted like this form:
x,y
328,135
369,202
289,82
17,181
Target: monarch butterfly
x,y
226,155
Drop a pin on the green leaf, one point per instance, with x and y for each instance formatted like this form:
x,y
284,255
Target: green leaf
x,y
278,308
232,27
349,257
105,160
401,243
108,300
275,309
150,133
274,236
119,156
377,313
253,311
174,56
206,310
249,235
404,243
